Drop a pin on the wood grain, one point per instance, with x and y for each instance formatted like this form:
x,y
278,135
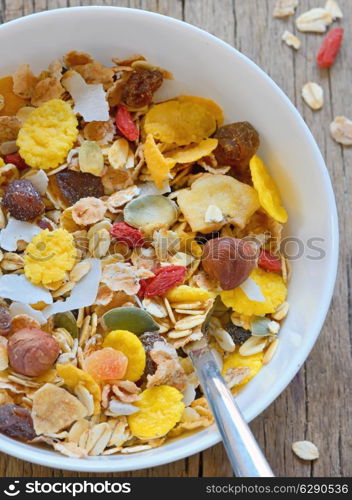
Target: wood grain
x,y
317,404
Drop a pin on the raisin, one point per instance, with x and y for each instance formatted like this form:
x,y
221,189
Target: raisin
x,y
76,185
140,87
238,142
239,335
148,340
16,422
5,321
23,200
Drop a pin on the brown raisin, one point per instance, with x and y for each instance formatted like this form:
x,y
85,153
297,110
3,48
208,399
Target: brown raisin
x,y
5,321
76,185
148,340
16,422
239,335
140,87
23,201
238,142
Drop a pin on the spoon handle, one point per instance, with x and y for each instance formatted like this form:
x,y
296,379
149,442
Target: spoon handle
x,y
246,457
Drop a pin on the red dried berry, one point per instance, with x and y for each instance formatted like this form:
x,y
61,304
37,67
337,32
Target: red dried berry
x,y
17,160
269,262
23,201
165,278
5,321
142,289
124,233
140,87
125,124
16,422
330,48
45,224
76,185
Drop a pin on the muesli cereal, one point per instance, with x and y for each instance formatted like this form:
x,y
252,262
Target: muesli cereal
x,y
122,219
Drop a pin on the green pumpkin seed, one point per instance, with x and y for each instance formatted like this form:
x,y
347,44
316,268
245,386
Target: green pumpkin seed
x,y
150,210
132,319
68,321
260,327
90,158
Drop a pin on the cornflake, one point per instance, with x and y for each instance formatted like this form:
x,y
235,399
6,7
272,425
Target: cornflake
x,y
291,40
313,95
315,20
285,8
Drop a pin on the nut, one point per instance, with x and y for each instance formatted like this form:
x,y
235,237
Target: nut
x,y
229,261
341,130
32,351
312,94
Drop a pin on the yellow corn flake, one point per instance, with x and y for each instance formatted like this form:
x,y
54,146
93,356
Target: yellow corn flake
x,y
12,102
160,408
193,153
272,287
209,104
73,376
130,345
267,190
49,255
235,360
158,166
185,293
179,122
2,163
48,134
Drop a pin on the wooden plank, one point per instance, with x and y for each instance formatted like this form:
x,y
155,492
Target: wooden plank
x,y
315,405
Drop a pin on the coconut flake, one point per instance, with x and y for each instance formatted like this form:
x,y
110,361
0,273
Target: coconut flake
x,y
17,287
39,180
89,99
17,308
83,294
17,230
252,290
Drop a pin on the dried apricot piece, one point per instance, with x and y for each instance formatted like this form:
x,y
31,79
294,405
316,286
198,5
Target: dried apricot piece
x,y
73,376
48,134
106,364
267,190
129,344
160,408
12,102
253,362
158,166
179,122
272,287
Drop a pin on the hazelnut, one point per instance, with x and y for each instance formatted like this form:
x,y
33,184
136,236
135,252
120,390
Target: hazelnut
x,y
32,351
229,261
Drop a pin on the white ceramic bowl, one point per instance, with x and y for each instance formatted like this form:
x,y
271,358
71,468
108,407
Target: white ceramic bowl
x,y
204,65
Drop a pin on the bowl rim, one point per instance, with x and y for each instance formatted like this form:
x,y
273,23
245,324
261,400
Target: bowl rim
x,y
210,436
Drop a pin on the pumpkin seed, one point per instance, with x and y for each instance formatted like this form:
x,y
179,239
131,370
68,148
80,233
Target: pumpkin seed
x,y
91,158
150,211
68,321
132,319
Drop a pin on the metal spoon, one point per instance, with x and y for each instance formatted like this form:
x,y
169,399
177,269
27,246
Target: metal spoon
x,y
246,457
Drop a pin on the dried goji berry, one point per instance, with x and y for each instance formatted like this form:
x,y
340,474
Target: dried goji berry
x,y
330,47
269,261
125,124
142,289
17,160
124,233
165,278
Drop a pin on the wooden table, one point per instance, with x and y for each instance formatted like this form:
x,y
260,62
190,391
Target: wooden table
x,y
317,404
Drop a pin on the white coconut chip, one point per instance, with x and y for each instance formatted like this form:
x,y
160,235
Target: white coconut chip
x,y
17,308
17,287
17,230
118,408
39,180
89,99
83,294
252,290
148,188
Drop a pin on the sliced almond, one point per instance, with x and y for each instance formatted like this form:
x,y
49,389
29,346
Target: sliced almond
x,y
291,40
315,20
341,130
285,8
334,9
313,95
305,450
